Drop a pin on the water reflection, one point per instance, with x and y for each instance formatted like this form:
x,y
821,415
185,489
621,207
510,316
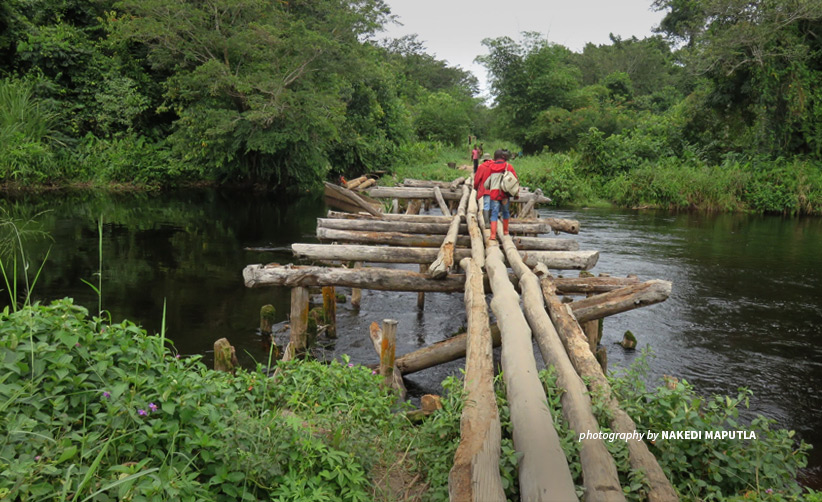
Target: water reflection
x,y
746,308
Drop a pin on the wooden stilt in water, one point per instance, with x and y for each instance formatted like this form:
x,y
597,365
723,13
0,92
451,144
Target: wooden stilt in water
x,y
267,315
421,295
225,357
388,349
330,311
356,293
298,341
382,346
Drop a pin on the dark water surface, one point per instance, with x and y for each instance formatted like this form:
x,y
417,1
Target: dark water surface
x,y
746,308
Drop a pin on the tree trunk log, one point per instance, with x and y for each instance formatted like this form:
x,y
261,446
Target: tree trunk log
x,y
352,184
599,472
475,476
356,293
383,345
587,367
440,353
543,469
477,248
413,183
421,295
330,310
366,184
441,202
298,340
445,258
428,193
621,300
545,225
381,279
225,357
388,238
419,225
352,198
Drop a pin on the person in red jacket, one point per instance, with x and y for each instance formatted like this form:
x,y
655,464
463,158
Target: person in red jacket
x,y
483,171
492,183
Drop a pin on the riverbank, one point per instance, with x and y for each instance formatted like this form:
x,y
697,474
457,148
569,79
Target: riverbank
x,y
785,186
127,417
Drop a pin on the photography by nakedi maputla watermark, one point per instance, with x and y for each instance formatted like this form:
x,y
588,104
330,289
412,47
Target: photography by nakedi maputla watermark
x,y
666,435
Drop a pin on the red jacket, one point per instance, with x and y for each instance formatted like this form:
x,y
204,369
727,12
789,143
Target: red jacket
x,y
483,172
495,171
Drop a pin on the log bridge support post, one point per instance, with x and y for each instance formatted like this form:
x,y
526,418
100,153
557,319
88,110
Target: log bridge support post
x,y
298,340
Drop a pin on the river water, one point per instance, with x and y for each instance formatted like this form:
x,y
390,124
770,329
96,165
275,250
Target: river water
x,y
746,307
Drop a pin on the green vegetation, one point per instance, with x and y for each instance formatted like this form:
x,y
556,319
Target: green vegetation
x,y
100,411
720,110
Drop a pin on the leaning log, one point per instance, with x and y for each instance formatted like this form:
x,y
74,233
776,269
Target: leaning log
x,y
587,366
445,258
352,197
543,469
382,279
621,300
599,473
560,260
474,476
477,248
440,353
352,184
441,202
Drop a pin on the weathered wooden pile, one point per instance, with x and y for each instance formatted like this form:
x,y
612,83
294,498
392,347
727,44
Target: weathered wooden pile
x,y
442,245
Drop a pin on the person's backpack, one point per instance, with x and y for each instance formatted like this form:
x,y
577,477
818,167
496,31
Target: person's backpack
x,y
510,183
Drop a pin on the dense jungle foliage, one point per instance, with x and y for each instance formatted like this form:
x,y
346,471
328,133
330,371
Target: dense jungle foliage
x,y
285,94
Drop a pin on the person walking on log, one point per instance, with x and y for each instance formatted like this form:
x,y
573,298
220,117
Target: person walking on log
x,y
480,176
475,155
499,199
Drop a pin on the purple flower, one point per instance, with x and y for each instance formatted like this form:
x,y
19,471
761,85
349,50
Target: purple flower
x,y
37,458
152,406
373,372
350,365
77,344
106,394
142,413
177,356
769,490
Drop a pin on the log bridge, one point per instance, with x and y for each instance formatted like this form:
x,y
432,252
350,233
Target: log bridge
x,y
455,254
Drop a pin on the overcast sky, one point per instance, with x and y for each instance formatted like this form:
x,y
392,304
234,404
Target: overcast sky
x,y
453,29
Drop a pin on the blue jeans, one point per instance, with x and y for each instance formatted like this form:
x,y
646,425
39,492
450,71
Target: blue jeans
x,y
495,209
486,202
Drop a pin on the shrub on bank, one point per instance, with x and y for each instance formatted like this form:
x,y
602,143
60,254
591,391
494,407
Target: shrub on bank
x,y
100,411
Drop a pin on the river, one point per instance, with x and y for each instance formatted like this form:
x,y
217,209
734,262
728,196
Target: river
x,y
746,307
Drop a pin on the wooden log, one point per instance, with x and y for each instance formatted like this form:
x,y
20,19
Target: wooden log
x,y
445,258
585,285
366,184
225,357
560,260
389,238
352,198
475,474
352,184
421,227
477,248
621,300
383,345
441,202
591,330
298,339
530,206
408,182
421,295
381,279
599,473
388,349
454,185
586,365
356,293
414,207
440,353
373,254
267,315
330,311
544,225
428,193
543,468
